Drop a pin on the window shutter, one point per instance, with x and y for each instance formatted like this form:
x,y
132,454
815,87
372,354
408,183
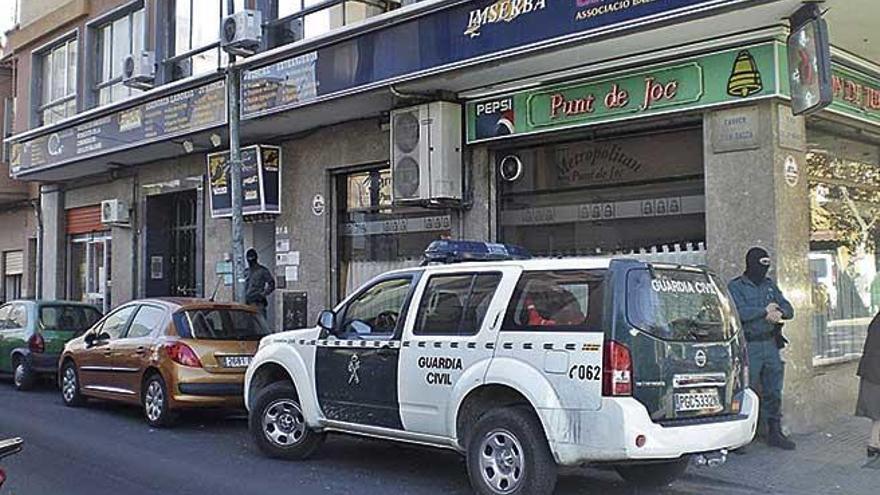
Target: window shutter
x,y
13,262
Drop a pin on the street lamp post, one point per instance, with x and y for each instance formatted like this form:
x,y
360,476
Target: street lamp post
x,y
233,97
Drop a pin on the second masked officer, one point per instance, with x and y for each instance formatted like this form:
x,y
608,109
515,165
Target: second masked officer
x,y
762,309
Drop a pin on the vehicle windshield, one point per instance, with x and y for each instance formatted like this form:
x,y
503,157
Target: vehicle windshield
x,y
678,305
66,318
221,324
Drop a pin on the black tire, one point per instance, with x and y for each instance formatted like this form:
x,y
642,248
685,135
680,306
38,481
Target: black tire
x,y
654,475
278,426
23,376
508,454
70,391
154,399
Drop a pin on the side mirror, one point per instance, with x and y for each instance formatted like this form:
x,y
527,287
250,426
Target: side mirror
x,y
327,320
89,339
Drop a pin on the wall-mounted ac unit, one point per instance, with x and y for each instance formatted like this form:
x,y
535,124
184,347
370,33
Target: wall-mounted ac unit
x,y
426,154
139,70
242,32
114,211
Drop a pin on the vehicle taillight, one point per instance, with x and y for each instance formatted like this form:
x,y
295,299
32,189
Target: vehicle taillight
x,y
2,477
36,344
617,375
182,354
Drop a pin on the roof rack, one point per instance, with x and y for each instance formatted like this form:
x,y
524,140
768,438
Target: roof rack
x,y
447,251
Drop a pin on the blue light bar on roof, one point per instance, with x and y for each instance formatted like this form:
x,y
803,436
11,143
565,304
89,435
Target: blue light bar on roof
x,y
446,251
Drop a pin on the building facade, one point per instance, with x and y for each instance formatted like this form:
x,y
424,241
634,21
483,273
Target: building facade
x,y
655,129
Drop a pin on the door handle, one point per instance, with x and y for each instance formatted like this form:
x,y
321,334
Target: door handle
x,y
107,352
141,350
385,352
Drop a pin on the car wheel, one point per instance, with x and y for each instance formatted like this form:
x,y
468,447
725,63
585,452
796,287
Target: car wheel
x,y
155,401
70,392
655,475
507,454
23,375
278,425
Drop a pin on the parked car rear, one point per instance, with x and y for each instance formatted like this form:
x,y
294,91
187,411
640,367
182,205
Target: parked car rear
x,y
165,355
33,334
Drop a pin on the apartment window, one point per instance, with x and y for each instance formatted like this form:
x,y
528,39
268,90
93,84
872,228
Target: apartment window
x,y
57,84
298,19
13,270
117,38
196,36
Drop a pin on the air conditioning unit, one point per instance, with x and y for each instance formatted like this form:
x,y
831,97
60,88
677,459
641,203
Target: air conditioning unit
x,y
114,211
242,32
426,154
139,70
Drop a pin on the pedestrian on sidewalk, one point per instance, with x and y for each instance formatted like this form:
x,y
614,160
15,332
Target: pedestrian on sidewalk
x,y
869,386
259,283
762,309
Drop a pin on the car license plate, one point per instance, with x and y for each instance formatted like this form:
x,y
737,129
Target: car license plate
x,y
235,361
697,401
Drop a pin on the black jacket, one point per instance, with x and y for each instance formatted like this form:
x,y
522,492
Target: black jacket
x,y
869,366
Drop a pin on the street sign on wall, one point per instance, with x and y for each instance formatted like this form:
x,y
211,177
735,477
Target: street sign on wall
x,y
736,75
260,177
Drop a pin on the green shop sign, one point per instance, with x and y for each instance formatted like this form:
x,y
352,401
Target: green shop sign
x,y
725,77
856,95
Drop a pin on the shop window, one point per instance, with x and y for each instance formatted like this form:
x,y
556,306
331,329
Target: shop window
x,y
57,66
90,274
196,36
374,236
298,19
844,181
635,194
116,38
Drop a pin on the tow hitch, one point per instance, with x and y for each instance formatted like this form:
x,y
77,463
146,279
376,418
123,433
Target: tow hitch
x,y
711,459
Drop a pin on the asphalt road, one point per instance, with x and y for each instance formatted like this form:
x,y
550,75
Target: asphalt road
x,y
107,449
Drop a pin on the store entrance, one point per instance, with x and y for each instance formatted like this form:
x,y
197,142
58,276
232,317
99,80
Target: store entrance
x,y
90,275
172,237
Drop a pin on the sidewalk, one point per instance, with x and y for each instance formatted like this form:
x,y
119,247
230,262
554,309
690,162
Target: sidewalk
x,y
826,462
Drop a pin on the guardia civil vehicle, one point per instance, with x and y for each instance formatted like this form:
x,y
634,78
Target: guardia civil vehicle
x,y
522,365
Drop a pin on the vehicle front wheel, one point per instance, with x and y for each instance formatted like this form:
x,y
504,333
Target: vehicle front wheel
x,y
508,454
278,426
655,475
23,375
155,401
70,392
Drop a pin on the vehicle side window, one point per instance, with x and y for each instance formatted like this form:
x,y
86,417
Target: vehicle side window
x,y
115,324
147,319
455,304
4,316
557,300
18,317
375,312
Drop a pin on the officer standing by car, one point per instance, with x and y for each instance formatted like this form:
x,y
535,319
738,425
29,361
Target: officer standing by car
x,y
762,308
259,283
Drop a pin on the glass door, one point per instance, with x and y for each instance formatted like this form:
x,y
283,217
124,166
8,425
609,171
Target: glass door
x,y
90,272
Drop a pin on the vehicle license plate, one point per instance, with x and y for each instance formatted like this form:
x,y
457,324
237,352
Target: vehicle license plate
x,y
235,361
697,401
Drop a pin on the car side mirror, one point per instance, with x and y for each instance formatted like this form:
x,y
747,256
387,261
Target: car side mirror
x,y
327,320
89,339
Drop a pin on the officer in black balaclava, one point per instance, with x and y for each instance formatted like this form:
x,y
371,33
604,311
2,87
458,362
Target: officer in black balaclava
x,y
259,283
762,309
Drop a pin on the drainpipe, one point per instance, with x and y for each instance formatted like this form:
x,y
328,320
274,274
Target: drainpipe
x,y
38,283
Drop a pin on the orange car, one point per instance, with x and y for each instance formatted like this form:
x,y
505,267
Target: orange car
x,y
165,355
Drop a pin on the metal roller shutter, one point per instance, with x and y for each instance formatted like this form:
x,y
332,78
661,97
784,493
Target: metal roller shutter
x,y
13,262
84,220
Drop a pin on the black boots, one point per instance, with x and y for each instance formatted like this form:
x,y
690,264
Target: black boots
x,y
775,437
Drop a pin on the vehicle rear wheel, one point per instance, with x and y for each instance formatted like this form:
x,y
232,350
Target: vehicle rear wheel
x,y
155,401
70,392
655,475
507,454
278,425
23,375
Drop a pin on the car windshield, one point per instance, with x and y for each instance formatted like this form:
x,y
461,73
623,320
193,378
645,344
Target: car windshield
x,y
678,305
221,324
66,318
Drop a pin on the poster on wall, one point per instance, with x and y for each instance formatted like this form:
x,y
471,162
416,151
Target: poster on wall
x,y
260,177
